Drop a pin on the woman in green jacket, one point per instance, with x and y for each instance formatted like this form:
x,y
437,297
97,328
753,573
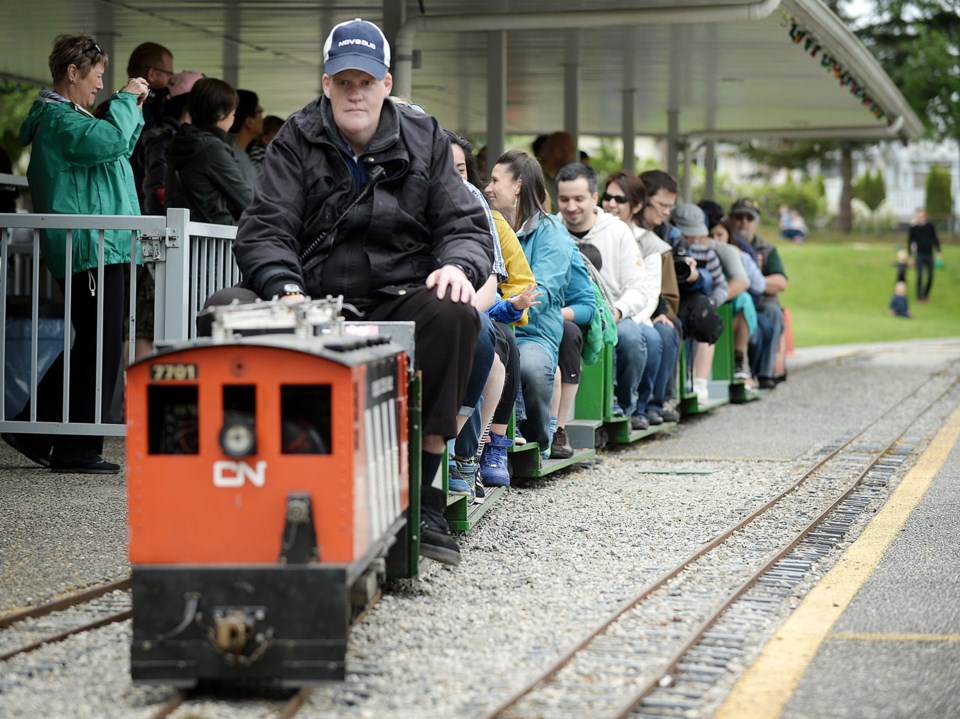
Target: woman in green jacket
x,y
80,165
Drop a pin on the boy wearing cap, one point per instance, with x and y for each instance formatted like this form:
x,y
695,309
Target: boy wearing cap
x,y
744,217
691,221
411,243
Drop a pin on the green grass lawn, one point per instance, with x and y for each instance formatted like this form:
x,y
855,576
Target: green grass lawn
x,y
840,289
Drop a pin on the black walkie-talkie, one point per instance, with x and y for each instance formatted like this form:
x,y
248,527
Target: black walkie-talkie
x,y
375,175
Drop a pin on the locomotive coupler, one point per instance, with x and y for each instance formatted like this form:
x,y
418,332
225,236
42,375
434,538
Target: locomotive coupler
x,y
233,630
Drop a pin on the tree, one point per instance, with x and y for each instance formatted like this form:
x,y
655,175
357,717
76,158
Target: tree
x,y
870,189
15,101
918,44
939,201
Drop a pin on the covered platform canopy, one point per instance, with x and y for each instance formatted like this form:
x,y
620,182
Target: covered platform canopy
x,y
699,69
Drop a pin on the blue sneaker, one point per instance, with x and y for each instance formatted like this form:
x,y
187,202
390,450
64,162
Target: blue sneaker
x,y
493,462
461,474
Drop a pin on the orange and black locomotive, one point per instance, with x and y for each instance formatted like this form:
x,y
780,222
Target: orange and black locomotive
x,y
269,487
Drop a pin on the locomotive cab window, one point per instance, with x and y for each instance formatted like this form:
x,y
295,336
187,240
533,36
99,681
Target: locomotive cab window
x,y
238,435
172,419
305,422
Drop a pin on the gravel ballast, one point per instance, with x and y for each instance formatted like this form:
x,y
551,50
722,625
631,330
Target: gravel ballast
x,y
542,568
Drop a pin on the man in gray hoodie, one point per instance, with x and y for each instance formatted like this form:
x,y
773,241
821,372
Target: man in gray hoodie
x,y
604,237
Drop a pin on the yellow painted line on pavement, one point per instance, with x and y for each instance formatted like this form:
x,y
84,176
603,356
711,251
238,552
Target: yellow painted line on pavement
x,y
891,637
766,687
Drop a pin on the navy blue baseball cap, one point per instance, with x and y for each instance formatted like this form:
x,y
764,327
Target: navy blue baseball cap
x,y
357,45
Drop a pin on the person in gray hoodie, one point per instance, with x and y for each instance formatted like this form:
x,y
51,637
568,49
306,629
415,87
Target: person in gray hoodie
x,y
621,268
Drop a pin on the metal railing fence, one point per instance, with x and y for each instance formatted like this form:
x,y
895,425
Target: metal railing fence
x,y
191,261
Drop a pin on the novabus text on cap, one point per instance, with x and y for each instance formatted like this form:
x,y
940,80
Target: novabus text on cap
x,y
357,45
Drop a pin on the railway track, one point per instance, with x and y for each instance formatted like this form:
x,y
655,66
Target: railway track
x,y
699,613
285,709
24,631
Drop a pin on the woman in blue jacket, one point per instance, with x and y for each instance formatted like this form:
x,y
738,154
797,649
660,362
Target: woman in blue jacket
x,y
518,190
80,165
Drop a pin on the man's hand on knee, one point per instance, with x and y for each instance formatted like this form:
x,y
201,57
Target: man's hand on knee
x,y
452,277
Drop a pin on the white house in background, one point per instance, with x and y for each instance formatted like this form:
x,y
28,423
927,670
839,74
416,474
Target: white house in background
x,y
905,169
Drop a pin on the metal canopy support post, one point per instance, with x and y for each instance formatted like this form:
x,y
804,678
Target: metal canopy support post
x,y
673,140
571,89
687,171
106,37
496,95
628,107
710,166
231,48
394,15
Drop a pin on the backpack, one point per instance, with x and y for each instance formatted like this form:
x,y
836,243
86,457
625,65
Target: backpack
x,y
700,318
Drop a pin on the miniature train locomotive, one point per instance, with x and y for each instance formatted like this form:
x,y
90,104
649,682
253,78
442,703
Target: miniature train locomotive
x,y
268,482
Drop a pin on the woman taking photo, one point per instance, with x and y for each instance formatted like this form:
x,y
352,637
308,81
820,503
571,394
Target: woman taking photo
x,y
80,165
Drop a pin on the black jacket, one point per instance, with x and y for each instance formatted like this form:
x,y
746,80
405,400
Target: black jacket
x,y
419,217
153,148
922,239
208,175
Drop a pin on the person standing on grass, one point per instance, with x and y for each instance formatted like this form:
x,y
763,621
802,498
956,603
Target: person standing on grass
x,y
923,242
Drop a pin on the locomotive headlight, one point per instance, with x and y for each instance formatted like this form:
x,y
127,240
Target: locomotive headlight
x,y
237,437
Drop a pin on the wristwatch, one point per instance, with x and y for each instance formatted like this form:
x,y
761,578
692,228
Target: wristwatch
x,y
463,269
292,288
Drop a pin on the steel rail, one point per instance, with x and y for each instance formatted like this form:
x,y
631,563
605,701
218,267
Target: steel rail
x,y
645,592
66,602
72,600
697,634
293,705
171,705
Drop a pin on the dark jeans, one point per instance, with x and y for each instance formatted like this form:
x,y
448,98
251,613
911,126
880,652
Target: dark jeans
x,y
482,363
764,342
670,351
510,355
924,272
468,441
83,362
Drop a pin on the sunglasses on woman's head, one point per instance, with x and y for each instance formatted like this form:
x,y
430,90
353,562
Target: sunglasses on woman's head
x,y
619,199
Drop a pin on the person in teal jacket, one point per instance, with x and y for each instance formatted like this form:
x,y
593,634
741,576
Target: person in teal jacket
x,y
80,165
517,189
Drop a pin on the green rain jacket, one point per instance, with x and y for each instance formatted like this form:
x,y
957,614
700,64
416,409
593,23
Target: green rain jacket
x,y
79,165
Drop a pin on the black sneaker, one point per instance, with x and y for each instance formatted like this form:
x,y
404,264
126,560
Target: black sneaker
x,y
436,543
88,463
654,417
479,491
768,383
30,446
560,449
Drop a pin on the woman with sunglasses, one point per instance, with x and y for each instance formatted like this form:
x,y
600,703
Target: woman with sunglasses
x,y
79,165
626,197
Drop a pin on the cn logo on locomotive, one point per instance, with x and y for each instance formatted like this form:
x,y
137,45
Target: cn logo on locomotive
x,y
233,474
